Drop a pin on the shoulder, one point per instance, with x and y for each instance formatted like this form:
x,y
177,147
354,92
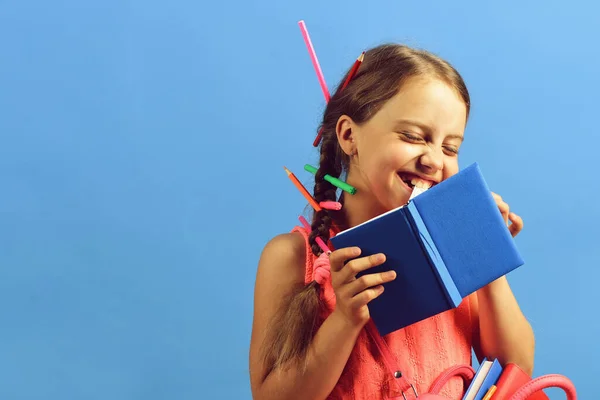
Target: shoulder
x,y
280,273
282,261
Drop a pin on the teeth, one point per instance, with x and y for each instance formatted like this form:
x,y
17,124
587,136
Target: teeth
x,y
416,191
419,183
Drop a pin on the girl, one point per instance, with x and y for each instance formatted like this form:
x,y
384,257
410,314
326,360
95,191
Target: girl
x,y
399,122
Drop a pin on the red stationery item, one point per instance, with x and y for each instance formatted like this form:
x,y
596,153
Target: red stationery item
x,y
511,380
513,384
351,74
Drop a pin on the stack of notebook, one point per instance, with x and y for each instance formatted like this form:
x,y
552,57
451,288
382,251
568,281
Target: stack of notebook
x,y
483,385
492,382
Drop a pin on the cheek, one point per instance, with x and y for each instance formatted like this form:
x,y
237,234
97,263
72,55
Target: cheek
x,y
450,168
402,153
385,159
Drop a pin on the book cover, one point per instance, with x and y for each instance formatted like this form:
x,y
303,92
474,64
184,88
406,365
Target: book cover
x,y
444,244
468,230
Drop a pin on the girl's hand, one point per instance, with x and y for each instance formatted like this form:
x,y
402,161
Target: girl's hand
x,y
516,223
353,294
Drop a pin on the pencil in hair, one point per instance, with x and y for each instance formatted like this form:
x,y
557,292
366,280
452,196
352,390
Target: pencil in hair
x,y
322,245
318,138
331,205
351,74
354,69
314,59
334,228
305,224
302,190
334,181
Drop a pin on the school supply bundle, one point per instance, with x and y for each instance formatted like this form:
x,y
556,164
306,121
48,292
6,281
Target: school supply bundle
x,y
492,382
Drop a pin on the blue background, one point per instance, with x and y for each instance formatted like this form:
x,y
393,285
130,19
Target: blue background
x,y
141,166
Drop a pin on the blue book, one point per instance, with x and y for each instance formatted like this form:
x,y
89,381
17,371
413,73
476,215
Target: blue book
x,y
487,375
445,244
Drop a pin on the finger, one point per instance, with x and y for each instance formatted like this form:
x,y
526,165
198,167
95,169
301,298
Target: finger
x,y
340,256
502,206
516,224
366,296
349,271
370,280
504,210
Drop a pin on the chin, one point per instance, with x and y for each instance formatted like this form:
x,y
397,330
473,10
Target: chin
x,y
394,203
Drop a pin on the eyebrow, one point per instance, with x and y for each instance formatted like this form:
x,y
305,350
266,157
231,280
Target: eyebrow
x,y
426,128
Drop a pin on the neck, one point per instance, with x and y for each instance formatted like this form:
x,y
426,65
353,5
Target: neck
x,y
358,208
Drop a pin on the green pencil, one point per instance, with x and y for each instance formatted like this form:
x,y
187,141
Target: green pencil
x,y
334,181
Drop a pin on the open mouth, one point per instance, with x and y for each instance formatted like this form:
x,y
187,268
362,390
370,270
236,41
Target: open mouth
x,y
413,181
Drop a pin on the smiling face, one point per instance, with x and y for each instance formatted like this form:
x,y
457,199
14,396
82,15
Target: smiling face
x,y
415,136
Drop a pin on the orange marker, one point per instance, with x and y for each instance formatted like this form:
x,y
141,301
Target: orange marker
x,y
334,229
303,190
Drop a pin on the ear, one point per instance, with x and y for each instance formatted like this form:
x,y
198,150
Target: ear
x,y
345,131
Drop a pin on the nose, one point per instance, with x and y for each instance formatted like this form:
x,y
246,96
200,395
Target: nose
x,y
433,159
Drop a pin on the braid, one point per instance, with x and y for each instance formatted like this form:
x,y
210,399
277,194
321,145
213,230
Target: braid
x,y
329,164
297,320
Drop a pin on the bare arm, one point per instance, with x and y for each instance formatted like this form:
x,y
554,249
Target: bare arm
x,y
505,333
280,268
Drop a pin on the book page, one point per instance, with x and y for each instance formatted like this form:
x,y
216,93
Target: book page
x,y
372,219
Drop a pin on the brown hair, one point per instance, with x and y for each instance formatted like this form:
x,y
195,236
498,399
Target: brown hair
x,y
384,69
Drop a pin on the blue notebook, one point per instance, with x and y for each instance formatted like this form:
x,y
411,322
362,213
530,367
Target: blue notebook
x,y
444,244
487,375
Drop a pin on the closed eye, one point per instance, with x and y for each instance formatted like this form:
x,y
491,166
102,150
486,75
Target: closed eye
x,y
411,137
452,150
449,150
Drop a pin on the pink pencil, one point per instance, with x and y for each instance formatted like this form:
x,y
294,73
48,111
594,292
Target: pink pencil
x,y
315,61
305,223
331,205
322,245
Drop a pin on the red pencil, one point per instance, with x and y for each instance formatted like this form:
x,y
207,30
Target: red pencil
x,y
351,74
318,138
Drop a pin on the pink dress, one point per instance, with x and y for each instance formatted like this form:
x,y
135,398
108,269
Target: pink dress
x,y
425,349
